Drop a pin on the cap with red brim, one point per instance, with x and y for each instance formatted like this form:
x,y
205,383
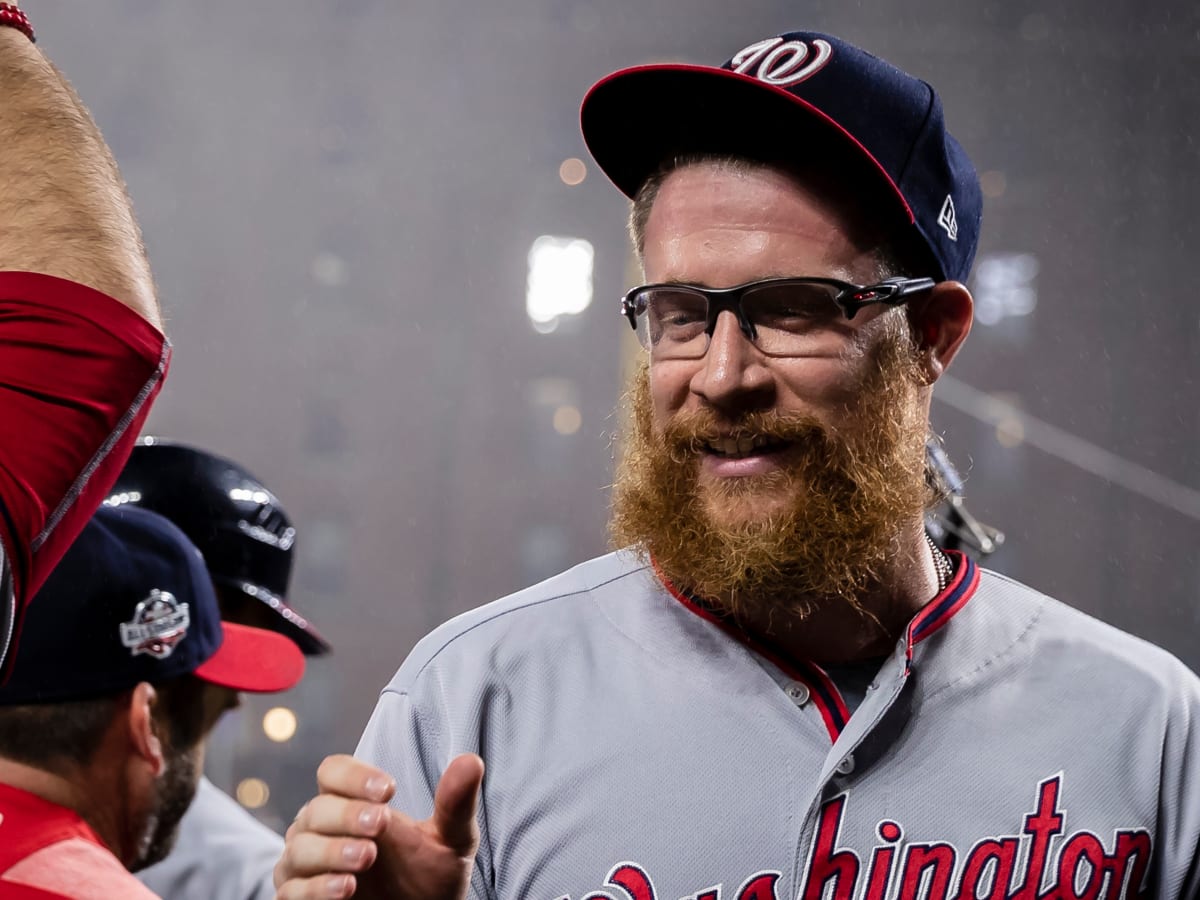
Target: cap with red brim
x,y
253,660
809,101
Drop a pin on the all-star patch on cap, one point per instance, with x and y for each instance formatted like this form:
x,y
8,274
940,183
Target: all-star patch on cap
x,y
131,601
799,98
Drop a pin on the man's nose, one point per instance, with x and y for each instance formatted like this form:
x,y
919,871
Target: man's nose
x,y
733,373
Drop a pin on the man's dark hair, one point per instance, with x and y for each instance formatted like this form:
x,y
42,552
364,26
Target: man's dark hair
x,y
60,736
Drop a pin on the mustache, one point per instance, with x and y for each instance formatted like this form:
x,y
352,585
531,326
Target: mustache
x,y
688,435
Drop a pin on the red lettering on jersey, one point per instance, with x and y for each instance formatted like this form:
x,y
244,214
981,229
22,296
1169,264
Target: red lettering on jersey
x,y
1086,849
1133,845
976,869
881,873
881,861
938,861
826,862
759,887
632,879
1041,826
1076,865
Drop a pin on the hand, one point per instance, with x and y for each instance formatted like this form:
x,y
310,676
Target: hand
x,y
347,842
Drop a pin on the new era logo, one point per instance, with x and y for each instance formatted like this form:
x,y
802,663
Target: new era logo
x,y
948,220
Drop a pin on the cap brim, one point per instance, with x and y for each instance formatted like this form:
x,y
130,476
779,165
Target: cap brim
x,y
636,119
290,623
254,660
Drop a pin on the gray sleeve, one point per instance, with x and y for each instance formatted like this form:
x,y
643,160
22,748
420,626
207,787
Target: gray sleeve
x,y
414,744
223,853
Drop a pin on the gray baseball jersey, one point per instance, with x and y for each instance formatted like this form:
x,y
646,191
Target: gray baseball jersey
x,y
223,853
1009,747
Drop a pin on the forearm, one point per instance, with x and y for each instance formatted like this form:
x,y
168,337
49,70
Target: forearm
x,y
63,206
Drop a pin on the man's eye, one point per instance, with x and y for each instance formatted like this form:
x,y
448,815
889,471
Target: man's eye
x,y
681,317
679,311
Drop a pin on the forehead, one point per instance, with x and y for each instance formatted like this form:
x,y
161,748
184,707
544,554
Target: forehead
x,y
716,222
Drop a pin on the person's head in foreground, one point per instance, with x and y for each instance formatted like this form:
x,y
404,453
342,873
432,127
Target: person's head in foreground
x,y
123,667
804,223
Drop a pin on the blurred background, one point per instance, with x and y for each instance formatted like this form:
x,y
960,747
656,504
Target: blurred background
x,y
392,278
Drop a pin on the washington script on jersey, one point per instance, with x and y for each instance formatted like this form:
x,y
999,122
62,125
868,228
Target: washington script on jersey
x,y
1039,862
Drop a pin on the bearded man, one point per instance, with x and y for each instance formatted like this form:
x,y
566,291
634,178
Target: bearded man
x,y
780,688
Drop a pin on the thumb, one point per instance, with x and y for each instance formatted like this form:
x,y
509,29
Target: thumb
x,y
455,802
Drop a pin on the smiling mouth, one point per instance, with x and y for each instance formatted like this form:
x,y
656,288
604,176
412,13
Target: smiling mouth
x,y
741,447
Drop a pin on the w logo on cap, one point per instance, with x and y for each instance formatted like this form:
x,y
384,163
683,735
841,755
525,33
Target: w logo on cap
x,y
779,62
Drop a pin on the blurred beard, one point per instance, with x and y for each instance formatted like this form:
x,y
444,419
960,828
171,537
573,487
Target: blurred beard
x,y
175,791
849,495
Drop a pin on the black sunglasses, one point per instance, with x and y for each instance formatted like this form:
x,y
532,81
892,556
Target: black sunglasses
x,y
778,315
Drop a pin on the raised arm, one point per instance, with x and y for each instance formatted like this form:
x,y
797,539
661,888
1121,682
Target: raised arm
x,y
63,206
82,355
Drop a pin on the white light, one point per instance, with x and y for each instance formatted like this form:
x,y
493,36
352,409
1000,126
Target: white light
x,y
329,269
122,498
279,724
560,280
249,495
1005,287
253,793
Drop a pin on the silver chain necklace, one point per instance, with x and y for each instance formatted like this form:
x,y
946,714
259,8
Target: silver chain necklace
x,y
941,563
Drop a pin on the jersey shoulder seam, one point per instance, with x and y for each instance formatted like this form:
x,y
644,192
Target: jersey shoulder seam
x,y
457,634
1043,602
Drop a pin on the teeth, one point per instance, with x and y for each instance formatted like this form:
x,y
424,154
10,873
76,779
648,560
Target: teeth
x,y
741,446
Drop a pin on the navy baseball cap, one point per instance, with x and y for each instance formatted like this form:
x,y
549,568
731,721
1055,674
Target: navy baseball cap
x,y
131,601
801,97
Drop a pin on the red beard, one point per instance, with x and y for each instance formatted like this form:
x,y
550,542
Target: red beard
x,y
848,495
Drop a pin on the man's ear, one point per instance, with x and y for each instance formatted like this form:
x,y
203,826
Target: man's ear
x,y
145,732
941,320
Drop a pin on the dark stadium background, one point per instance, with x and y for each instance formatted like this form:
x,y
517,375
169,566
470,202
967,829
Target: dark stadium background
x,y
339,199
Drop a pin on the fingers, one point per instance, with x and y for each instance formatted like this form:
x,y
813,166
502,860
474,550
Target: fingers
x,y
349,777
322,887
306,854
336,816
331,835
455,802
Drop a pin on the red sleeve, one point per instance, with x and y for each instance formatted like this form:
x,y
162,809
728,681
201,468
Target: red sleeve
x,y
78,373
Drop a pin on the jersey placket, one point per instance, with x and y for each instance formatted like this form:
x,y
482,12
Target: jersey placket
x,y
811,690
841,767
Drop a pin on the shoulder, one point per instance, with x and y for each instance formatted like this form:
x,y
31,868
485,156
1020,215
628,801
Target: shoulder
x,y
78,868
1073,641
573,603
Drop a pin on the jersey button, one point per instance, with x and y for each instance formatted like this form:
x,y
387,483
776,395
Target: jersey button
x,y
799,694
846,766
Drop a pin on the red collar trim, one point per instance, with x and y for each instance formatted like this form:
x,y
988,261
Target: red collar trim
x,y
931,618
941,609
821,687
